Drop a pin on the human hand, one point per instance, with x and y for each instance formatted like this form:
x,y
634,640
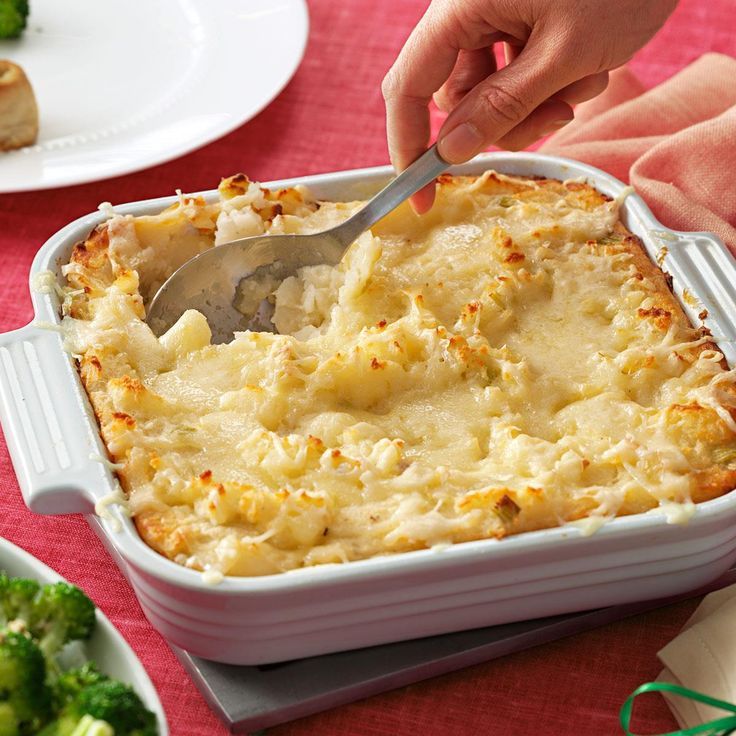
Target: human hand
x,y
558,53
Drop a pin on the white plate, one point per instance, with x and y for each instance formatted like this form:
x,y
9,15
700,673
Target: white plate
x,y
126,85
106,647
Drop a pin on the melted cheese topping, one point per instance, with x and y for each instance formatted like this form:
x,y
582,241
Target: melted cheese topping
x,y
510,361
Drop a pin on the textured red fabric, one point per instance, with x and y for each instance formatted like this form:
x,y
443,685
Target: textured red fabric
x,y
330,117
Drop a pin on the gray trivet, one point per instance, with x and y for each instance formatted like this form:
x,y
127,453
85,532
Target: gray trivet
x,y
252,698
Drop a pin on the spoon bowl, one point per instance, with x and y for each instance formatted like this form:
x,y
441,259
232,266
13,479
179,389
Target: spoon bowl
x,y
232,284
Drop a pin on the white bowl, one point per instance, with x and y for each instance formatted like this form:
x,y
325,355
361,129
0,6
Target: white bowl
x,y
52,435
106,647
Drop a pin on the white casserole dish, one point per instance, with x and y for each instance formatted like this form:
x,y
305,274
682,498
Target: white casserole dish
x,y
53,439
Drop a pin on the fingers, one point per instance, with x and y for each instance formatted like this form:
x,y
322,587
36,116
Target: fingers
x,y
501,102
584,89
423,200
471,68
512,107
511,51
547,117
551,115
554,113
421,69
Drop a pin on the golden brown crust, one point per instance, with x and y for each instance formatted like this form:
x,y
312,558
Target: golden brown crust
x,y
159,529
697,426
699,429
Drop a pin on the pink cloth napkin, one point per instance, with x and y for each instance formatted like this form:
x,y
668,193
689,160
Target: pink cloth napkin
x,y
675,144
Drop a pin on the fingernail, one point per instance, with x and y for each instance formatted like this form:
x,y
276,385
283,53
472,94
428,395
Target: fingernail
x,y
460,144
556,125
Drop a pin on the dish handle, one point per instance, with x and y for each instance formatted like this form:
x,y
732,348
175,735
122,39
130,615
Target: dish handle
x,y
49,439
700,263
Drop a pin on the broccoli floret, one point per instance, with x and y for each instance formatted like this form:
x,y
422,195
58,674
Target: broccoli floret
x,y
62,613
25,698
17,597
13,17
8,722
86,726
72,682
113,702
119,705
55,614
89,726
35,623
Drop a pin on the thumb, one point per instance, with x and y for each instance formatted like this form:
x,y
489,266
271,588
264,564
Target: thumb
x,y
500,102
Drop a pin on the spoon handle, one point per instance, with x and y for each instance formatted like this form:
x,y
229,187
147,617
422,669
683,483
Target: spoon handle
x,y
426,168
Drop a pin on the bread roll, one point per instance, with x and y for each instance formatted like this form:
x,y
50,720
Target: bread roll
x,y
18,110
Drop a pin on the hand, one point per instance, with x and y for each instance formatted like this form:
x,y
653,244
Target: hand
x,y
558,53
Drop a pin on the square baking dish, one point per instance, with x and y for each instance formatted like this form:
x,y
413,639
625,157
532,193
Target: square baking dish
x,y
58,456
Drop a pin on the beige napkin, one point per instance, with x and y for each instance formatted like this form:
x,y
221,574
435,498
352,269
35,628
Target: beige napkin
x,y
703,658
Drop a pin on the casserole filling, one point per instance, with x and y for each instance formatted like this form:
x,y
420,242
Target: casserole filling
x,y
510,361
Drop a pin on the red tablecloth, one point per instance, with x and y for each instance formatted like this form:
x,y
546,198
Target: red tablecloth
x,y
330,117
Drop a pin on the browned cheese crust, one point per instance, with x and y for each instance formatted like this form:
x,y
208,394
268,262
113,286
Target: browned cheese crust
x,y
698,428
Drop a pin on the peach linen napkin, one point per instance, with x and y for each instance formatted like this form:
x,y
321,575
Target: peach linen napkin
x,y
703,658
675,143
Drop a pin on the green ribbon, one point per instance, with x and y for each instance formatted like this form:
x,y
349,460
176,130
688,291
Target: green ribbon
x,y
718,727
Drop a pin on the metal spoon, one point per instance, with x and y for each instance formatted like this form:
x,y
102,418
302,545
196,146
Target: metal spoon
x,y
212,281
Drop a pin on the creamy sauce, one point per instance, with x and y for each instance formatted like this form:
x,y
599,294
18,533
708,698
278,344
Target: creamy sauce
x,y
589,526
496,366
212,577
45,282
44,325
106,462
114,498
